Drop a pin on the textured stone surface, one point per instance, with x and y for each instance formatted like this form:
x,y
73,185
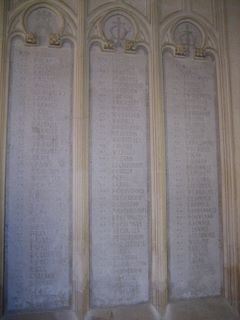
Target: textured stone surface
x,y
200,309
192,177
119,187
94,4
204,8
168,7
38,185
136,312
188,34
14,3
141,5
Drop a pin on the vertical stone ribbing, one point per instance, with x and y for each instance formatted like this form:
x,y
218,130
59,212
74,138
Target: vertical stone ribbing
x,y
159,222
3,15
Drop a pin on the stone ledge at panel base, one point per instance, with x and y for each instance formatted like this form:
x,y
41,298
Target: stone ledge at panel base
x,y
134,312
200,309
55,315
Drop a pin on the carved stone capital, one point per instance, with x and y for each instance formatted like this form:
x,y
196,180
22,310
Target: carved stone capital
x,y
55,40
130,45
181,51
31,38
108,45
200,53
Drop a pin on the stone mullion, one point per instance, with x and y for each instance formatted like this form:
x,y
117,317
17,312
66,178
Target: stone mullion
x,y
80,172
3,15
229,212
159,222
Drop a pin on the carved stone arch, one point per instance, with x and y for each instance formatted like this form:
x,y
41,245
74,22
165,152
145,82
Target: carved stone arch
x,y
209,35
140,36
129,9
67,27
108,5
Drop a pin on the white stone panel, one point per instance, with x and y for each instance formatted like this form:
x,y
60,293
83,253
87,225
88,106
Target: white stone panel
x,y
38,180
119,181
192,177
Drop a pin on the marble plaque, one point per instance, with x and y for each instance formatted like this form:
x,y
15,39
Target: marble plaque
x,y
119,184
192,177
38,180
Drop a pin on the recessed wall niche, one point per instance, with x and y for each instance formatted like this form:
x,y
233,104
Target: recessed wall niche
x,y
194,215
38,223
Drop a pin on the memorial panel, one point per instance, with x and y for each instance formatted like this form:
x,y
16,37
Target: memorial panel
x,y
119,181
192,177
38,178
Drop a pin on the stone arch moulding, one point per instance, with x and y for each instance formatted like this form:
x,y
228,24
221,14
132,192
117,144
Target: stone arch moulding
x,y
43,44
208,32
66,19
212,46
126,5
139,33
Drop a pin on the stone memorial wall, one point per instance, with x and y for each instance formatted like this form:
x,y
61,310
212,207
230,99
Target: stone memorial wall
x,y
38,176
119,174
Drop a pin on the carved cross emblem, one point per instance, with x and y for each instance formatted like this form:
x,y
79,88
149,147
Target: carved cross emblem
x,y
188,37
119,32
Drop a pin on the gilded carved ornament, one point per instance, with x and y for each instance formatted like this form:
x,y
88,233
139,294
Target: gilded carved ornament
x,y
130,45
108,45
181,51
55,40
200,52
43,26
31,38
